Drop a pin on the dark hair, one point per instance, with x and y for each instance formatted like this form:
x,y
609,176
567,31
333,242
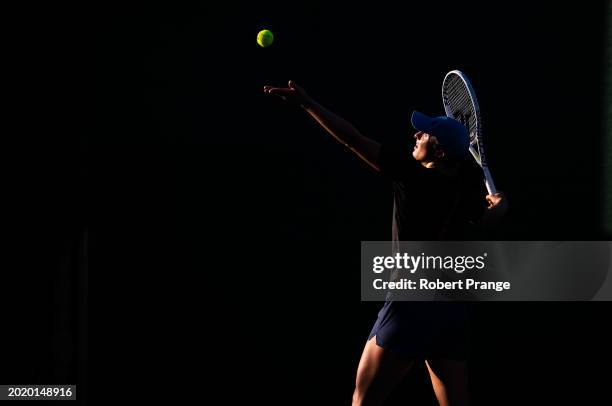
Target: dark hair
x,y
449,160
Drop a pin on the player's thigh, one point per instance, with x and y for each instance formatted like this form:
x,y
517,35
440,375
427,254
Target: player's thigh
x,y
450,381
378,372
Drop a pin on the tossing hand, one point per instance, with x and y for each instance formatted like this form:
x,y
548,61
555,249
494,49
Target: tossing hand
x,y
293,94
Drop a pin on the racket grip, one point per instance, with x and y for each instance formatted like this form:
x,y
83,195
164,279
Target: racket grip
x,y
489,181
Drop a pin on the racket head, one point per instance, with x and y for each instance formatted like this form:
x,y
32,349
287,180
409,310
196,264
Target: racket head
x,y
460,103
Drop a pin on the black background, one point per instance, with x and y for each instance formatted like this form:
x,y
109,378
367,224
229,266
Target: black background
x,y
43,260
226,225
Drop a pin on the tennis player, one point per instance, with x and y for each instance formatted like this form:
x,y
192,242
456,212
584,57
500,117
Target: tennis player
x,y
439,194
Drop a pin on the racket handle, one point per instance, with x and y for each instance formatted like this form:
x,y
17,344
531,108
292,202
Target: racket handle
x,y
489,181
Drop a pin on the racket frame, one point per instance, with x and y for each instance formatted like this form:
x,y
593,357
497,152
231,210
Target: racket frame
x,y
476,142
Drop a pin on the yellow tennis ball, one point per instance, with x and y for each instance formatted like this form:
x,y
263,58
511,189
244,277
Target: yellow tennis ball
x,y
265,38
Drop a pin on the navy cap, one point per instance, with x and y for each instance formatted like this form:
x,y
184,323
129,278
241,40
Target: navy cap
x,y
450,133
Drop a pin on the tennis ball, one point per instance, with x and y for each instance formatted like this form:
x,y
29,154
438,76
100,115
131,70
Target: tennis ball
x,y
265,38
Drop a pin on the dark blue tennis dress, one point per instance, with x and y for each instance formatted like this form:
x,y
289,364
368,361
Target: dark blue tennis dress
x,y
428,206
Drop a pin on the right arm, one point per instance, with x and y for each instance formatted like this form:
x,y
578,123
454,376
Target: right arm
x,y
365,148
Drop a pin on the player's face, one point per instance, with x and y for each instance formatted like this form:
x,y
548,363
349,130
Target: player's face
x,y
422,146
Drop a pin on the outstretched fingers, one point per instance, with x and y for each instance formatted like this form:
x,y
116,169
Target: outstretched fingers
x,y
293,93
277,90
281,91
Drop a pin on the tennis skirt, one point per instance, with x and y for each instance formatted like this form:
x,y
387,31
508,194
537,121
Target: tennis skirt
x,y
423,330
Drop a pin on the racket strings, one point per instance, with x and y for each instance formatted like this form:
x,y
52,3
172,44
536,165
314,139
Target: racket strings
x,y
457,97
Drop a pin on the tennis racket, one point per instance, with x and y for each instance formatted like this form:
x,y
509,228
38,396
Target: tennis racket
x,y
460,103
